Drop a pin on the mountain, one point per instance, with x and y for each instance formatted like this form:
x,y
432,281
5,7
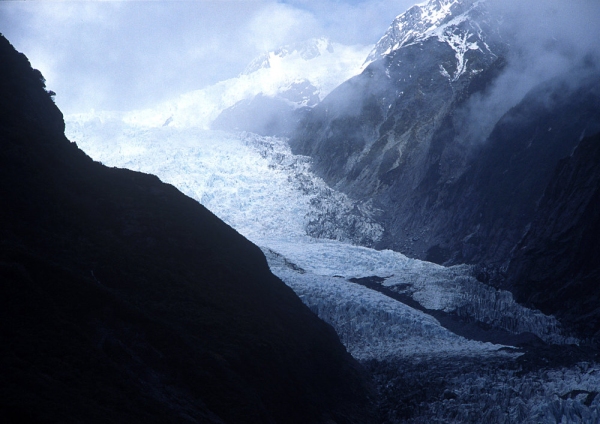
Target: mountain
x,y
387,133
434,18
123,300
298,75
307,72
401,133
454,181
555,265
485,211
441,344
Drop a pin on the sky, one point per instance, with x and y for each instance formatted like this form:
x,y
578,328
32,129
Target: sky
x,y
130,54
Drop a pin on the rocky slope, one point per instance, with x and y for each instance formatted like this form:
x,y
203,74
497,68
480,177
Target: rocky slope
x,y
123,300
482,214
555,265
401,135
391,133
406,136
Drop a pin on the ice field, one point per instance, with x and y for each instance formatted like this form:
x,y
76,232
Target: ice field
x,y
269,195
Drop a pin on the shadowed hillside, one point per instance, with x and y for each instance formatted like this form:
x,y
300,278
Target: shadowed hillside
x,y
122,300
555,265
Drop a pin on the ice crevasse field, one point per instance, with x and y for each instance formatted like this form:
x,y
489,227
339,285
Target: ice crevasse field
x,y
269,195
386,308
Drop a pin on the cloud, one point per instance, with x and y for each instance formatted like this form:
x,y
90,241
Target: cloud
x,y
121,55
548,38
279,24
355,21
131,54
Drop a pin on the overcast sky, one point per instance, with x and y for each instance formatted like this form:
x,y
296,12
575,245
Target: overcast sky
x,y
130,54
126,54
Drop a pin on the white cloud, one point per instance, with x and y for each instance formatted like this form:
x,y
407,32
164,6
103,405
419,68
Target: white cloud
x,y
131,54
278,24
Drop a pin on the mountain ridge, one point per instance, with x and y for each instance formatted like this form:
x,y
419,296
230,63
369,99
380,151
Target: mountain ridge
x,y
418,23
124,300
407,134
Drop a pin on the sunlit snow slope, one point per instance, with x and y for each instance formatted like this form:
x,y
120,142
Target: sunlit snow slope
x,y
320,62
447,20
269,195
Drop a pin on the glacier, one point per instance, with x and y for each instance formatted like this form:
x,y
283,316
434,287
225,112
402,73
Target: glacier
x,y
314,238
256,185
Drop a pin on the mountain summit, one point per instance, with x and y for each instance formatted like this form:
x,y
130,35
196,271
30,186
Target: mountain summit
x,y
410,134
306,50
435,18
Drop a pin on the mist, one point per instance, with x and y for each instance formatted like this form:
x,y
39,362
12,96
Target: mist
x,y
124,55
548,39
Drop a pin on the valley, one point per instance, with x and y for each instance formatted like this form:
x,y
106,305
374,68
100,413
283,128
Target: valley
x,y
400,232
256,185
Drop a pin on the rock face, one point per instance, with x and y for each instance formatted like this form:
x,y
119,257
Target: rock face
x,y
122,300
555,265
390,134
403,136
482,215
398,135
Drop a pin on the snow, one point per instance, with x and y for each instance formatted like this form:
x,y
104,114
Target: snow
x,y
435,18
328,65
416,24
457,38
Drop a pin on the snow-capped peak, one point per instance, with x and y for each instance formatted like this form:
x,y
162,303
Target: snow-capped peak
x,y
418,23
302,73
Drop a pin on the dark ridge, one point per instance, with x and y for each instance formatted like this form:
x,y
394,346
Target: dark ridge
x,y
556,265
122,300
401,136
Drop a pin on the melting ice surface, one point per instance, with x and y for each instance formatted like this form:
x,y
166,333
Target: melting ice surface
x,y
258,187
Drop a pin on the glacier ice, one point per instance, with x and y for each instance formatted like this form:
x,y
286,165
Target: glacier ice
x,y
269,195
370,324
314,237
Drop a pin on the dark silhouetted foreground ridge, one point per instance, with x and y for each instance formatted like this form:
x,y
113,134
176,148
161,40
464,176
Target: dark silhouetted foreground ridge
x,y
122,300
